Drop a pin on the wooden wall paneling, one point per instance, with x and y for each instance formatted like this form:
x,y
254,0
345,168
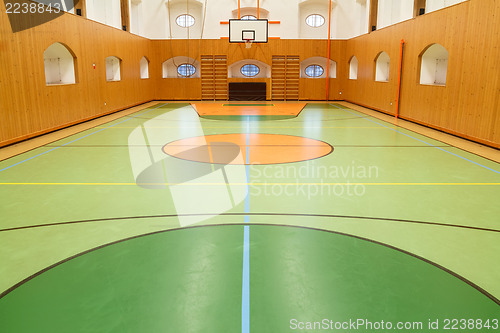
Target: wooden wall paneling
x,y
125,14
220,77
373,15
207,77
478,94
31,108
312,89
468,104
278,78
292,75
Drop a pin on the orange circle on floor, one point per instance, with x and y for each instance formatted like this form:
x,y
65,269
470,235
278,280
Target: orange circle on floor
x,y
247,149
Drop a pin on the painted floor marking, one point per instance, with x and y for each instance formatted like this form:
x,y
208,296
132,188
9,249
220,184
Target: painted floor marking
x,y
427,143
83,137
245,293
251,184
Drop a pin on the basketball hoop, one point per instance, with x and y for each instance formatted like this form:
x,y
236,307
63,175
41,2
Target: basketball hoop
x,y
248,43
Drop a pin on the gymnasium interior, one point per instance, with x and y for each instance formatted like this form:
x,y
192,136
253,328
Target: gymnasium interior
x,y
249,166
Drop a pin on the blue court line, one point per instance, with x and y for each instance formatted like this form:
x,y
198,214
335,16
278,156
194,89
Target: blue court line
x,y
245,292
427,143
48,151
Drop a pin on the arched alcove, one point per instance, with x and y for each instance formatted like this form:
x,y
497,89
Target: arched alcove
x,y
307,8
59,62
252,11
382,67
169,67
144,64
234,70
321,61
113,69
353,68
433,65
177,8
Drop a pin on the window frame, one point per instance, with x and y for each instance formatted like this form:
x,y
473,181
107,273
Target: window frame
x,y
250,76
248,19
315,18
185,16
315,67
188,65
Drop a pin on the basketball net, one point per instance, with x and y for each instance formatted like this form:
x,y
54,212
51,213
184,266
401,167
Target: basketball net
x,y
248,43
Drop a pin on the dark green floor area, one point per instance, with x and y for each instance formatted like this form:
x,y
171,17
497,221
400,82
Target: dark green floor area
x,y
190,281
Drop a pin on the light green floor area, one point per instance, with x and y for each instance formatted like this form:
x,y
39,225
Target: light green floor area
x,y
298,276
381,183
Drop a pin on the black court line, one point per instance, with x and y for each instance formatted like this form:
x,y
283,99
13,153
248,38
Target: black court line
x,y
254,214
367,146
79,132
463,279
345,108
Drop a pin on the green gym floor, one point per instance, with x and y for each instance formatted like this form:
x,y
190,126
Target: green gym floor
x,y
161,222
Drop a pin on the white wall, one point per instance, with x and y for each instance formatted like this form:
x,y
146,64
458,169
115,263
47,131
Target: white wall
x,y
105,11
136,17
393,11
349,18
191,7
433,5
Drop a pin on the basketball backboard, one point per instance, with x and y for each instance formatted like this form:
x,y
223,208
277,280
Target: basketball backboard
x,y
241,31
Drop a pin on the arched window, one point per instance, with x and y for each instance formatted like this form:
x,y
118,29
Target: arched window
x,y
382,64
248,17
434,65
315,20
59,64
186,70
185,20
314,70
353,68
250,70
113,69
144,68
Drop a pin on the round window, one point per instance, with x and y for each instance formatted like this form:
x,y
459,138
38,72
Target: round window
x,y
248,17
315,20
314,71
185,20
186,70
250,70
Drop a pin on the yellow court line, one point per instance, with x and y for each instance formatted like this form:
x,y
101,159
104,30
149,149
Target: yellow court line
x,y
255,184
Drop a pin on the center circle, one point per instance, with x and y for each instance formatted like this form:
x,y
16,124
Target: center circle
x,y
242,148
